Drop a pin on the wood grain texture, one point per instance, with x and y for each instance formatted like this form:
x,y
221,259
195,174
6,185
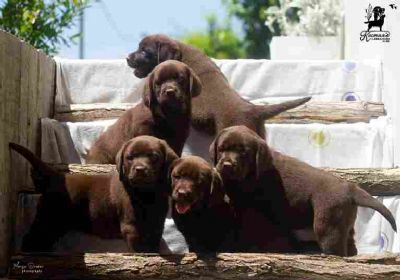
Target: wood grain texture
x,y
313,111
222,266
10,83
26,93
376,181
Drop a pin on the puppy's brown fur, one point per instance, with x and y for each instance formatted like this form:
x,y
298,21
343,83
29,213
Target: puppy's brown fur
x,y
131,203
199,210
219,106
292,191
164,113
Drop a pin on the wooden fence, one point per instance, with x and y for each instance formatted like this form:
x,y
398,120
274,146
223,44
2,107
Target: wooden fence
x,y
27,86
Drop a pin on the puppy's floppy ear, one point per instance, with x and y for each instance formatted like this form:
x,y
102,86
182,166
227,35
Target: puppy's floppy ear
x,y
217,192
169,154
213,150
149,94
171,167
195,85
263,157
119,160
167,51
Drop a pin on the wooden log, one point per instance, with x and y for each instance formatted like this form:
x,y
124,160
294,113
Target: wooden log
x,y
190,266
376,181
331,112
314,111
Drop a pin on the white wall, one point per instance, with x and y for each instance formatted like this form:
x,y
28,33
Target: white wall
x,y
389,53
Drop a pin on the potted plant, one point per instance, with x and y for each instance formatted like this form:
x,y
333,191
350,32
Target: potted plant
x,y
308,29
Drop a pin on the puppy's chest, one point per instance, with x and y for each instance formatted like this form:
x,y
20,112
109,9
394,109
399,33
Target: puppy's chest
x,y
203,224
144,211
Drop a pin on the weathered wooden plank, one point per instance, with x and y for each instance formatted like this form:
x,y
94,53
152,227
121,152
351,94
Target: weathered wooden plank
x,y
376,181
23,99
313,111
46,84
331,112
191,266
91,112
10,97
4,225
46,90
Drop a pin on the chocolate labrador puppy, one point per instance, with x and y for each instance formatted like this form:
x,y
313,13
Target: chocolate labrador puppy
x,y
164,113
131,203
219,105
292,192
199,210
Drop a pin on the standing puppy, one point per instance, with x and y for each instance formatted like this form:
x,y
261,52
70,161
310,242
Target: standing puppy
x,y
290,191
219,105
131,203
164,113
199,209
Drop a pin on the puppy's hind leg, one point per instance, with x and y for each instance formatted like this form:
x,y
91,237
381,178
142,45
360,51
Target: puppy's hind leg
x,y
351,244
331,236
49,225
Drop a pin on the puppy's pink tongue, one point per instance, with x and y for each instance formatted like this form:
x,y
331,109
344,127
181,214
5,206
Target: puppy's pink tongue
x,y
182,208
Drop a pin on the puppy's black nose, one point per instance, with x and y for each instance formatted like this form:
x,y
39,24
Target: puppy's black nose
x,y
170,91
140,168
227,164
182,193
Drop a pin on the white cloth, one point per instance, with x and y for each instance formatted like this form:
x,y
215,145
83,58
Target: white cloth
x,y
95,81
322,145
112,81
373,233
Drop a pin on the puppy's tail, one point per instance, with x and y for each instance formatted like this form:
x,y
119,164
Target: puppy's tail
x,y
41,172
362,198
271,110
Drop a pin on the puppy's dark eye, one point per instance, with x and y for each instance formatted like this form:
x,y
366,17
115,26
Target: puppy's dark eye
x,y
147,54
130,157
180,79
154,156
176,176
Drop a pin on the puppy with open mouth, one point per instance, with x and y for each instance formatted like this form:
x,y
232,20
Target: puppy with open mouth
x,y
199,208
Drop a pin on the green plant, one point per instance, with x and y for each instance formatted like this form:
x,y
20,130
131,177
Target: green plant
x,y
219,41
251,13
305,17
41,22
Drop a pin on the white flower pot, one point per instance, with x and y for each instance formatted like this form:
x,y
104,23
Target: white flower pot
x,y
299,47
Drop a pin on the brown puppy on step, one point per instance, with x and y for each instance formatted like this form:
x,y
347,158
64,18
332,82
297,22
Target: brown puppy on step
x,y
198,206
290,191
131,203
219,105
164,113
